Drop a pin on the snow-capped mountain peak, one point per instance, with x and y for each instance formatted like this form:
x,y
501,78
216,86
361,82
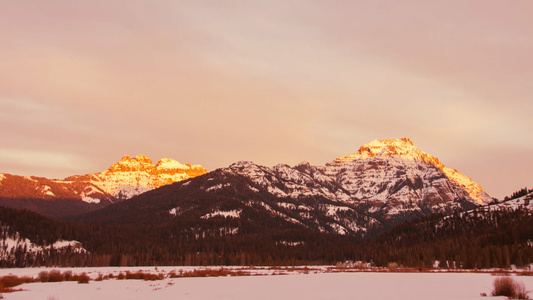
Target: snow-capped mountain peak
x,y
132,176
385,178
405,150
241,164
127,164
122,180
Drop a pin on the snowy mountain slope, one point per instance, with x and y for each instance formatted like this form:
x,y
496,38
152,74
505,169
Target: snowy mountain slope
x,y
224,204
19,187
132,176
384,183
388,177
386,159
122,180
523,202
520,202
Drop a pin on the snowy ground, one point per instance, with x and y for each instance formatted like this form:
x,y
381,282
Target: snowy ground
x,y
314,285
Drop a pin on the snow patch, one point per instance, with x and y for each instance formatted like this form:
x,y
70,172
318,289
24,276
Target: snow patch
x,y
129,191
47,191
85,195
286,205
291,244
332,210
279,214
29,178
229,230
10,243
338,228
90,200
176,211
170,164
236,213
74,245
217,187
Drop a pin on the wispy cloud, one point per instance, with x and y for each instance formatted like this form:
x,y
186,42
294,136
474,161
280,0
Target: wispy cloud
x,y
42,159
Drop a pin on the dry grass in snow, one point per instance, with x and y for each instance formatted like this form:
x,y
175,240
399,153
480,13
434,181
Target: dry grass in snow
x,y
320,282
510,287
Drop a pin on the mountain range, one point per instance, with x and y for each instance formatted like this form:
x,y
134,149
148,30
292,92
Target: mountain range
x,y
383,180
247,213
384,183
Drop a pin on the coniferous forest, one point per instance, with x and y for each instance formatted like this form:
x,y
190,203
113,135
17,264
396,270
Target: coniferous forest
x,y
481,238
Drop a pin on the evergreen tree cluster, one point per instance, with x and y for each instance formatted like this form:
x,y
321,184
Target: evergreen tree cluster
x,y
156,244
478,239
519,193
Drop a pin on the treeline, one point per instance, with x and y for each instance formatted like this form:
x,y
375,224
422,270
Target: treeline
x,y
519,193
162,245
481,239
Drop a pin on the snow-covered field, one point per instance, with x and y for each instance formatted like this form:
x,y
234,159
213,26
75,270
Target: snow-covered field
x,y
314,285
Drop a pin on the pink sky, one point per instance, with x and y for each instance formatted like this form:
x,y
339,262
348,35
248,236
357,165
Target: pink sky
x,y
83,83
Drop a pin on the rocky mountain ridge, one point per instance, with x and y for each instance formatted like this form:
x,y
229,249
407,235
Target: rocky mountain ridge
x,y
383,183
132,176
361,194
386,177
77,194
404,149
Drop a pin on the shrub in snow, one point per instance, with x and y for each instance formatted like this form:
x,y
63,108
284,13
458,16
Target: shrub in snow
x,y
521,292
43,276
142,276
55,276
507,286
392,265
10,281
83,278
68,275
